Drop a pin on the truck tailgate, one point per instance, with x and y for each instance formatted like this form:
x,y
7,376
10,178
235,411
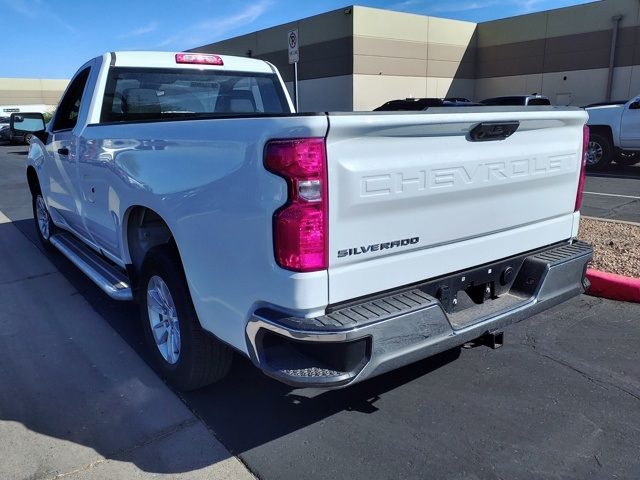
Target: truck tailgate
x,y
412,197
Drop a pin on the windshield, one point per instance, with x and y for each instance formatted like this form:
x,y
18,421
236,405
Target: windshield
x,y
157,93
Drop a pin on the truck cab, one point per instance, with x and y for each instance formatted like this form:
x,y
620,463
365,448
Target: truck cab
x,y
615,133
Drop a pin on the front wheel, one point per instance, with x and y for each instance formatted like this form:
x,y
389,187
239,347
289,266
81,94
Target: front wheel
x,y
44,225
599,151
181,351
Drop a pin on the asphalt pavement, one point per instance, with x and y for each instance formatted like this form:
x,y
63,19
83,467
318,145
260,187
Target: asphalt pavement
x,y
559,400
613,193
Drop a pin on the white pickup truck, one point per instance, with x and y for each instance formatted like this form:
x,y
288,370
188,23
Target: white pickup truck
x,y
615,133
327,248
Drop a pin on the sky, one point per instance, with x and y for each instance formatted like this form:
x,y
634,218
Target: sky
x,y
47,39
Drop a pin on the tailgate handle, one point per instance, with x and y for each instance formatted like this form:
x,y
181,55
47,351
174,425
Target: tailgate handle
x,y
486,131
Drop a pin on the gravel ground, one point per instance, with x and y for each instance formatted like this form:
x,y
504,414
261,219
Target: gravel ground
x,y
616,246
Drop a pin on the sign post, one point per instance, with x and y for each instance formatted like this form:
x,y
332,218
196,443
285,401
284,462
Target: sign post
x,y
294,57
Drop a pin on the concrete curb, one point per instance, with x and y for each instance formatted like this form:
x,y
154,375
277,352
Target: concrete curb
x,y
614,287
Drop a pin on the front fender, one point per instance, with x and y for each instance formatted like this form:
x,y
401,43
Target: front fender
x,y
36,160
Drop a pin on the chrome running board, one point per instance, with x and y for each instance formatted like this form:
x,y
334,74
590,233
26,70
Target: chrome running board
x,y
109,278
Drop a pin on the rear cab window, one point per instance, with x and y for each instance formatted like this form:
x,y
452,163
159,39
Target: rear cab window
x,y
167,93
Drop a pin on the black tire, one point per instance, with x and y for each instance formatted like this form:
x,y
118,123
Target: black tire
x,y
627,159
602,145
44,240
202,359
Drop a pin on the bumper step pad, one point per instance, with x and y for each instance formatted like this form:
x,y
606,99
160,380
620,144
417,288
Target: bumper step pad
x,y
564,253
362,314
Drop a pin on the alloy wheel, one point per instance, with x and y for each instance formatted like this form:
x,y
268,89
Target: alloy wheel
x,y
43,217
163,319
594,153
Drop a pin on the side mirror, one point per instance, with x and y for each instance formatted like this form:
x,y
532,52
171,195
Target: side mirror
x,y
23,124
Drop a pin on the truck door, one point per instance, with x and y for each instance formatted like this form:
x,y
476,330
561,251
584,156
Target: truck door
x,y
62,149
630,126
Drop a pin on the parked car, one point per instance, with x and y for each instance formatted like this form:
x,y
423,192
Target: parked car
x,y
328,248
23,125
4,129
418,104
518,100
615,133
458,99
460,103
409,104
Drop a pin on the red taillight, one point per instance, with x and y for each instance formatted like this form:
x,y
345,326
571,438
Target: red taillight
x,y
300,231
199,58
583,163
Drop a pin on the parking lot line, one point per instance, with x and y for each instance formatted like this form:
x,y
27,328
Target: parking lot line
x,y
613,195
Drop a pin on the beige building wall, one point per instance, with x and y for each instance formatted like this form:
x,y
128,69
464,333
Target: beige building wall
x,y
324,94
31,91
357,58
562,53
360,57
398,55
326,57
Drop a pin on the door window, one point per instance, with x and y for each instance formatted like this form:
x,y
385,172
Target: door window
x,y
67,114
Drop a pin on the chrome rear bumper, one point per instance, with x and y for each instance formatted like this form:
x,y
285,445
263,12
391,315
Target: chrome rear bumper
x,y
383,333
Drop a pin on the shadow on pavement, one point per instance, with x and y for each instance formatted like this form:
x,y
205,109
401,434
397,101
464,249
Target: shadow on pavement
x,y
617,171
248,401
67,375
229,408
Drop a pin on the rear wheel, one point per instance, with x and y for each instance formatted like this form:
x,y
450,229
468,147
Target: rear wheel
x,y
44,225
181,351
599,151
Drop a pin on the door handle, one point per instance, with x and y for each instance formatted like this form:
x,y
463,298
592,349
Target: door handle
x,y
63,151
487,131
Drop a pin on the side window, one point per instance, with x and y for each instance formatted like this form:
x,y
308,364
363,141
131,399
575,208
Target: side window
x,y
67,114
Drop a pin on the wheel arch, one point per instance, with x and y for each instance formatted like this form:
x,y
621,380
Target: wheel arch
x,y
604,130
144,228
33,181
